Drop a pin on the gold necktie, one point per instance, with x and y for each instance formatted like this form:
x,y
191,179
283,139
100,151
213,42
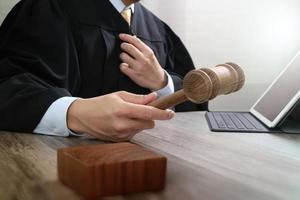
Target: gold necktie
x,y
126,14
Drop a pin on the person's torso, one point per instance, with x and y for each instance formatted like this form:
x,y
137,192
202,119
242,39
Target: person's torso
x,y
95,28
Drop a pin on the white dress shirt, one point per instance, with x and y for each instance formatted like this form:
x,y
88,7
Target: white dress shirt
x,y
54,121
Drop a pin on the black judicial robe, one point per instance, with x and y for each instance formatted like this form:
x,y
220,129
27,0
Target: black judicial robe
x,y
55,48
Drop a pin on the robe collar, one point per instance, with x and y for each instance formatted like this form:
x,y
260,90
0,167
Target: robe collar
x,y
103,14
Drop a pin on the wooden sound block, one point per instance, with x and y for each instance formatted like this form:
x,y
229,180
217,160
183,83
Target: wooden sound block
x,y
111,169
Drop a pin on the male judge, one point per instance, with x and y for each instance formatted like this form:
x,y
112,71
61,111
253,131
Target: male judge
x,y
62,63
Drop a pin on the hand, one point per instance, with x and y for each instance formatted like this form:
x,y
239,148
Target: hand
x,y
140,64
115,117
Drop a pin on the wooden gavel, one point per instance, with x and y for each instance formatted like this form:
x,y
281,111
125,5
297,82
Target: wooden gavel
x,y
204,84
134,168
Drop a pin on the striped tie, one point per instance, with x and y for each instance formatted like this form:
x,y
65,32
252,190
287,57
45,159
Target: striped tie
x,y
126,14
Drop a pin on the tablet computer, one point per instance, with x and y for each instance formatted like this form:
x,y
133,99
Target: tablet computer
x,y
270,110
280,96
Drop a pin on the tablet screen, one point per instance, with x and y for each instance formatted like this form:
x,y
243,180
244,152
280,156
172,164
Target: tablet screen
x,y
281,95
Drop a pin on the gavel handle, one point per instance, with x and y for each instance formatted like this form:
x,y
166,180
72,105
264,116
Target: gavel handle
x,y
169,101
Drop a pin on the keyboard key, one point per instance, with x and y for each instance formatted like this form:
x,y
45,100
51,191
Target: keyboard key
x,y
228,121
254,121
236,121
245,121
219,120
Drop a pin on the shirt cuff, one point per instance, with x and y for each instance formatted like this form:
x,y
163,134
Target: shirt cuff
x,y
54,121
169,89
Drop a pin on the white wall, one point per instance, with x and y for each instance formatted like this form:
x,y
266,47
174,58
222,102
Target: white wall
x,y
260,35
5,6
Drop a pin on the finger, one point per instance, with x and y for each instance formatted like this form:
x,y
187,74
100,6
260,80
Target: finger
x,y
129,60
134,41
124,65
125,69
138,99
144,112
130,128
132,50
139,125
150,97
134,126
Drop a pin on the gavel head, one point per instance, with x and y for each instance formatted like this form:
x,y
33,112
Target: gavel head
x,y
206,83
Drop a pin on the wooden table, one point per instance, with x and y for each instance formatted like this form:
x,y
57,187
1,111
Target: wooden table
x,y
201,164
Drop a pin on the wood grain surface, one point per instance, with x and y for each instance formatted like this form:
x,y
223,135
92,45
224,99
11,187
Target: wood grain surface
x,y
204,84
201,164
111,169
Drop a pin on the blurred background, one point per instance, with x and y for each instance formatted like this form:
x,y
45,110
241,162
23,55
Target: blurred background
x,y
260,35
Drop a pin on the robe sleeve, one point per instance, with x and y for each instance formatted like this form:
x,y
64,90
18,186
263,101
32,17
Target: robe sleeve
x,y
179,63
34,52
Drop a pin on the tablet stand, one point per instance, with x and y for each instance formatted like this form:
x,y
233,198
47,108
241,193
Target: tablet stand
x,y
291,122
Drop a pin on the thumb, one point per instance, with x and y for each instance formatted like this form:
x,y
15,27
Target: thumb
x,y
138,99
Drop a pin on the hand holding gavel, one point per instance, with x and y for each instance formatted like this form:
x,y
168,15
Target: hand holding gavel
x,y
204,84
